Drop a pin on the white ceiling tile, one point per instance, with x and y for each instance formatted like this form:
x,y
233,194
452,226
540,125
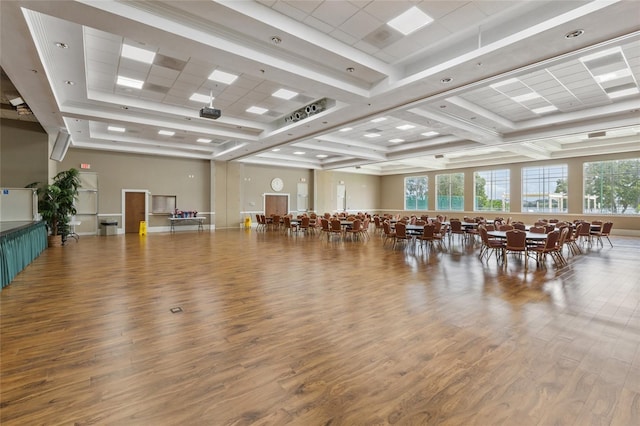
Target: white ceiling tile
x,y
290,11
402,48
466,16
318,24
160,81
163,72
307,6
366,47
343,37
360,24
335,13
384,56
387,10
438,9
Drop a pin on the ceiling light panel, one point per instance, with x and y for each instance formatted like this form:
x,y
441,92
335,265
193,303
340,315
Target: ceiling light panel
x,y
129,82
222,77
410,21
137,54
198,97
284,94
256,110
166,132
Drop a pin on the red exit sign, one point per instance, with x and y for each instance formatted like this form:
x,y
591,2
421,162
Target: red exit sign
x,y
85,166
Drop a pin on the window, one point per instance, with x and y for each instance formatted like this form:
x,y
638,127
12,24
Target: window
x,y
450,191
612,187
415,193
544,189
491,191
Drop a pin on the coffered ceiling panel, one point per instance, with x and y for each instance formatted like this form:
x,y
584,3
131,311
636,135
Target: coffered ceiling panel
x,y
331,84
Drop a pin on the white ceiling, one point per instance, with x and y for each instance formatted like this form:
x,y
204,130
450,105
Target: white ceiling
x,y
342,55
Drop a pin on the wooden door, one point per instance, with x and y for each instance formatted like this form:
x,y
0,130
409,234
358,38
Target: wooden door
x,y
276,204
134,205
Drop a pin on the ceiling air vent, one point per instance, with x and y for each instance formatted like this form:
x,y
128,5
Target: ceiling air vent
x,y
597,135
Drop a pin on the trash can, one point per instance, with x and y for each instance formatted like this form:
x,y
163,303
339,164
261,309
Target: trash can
x,y
108,227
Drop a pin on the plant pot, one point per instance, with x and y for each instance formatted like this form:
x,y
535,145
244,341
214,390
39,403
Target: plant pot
x,y
54,241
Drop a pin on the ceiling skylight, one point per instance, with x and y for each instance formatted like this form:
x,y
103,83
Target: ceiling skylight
x,y
410,21
284,94
222,77
166,132
129,82
137,54
198,97
116,129
256,110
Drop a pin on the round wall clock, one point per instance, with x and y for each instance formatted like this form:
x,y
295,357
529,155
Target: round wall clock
x,y
277,184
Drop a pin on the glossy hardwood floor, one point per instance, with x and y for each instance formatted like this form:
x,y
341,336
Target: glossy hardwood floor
x,y
281,330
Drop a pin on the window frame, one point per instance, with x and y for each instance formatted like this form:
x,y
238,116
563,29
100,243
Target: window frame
x,y
449,195
505,200
426,193
611,178
545,171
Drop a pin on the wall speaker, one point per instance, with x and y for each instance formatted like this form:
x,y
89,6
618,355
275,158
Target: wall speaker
x,y
60,147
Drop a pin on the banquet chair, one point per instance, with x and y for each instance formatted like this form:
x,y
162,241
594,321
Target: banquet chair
x,y
304,225
288,227
378,225
572,241
275,222
427,236
388,234
365,228
564,231
583,231
456,229
604,231
516,243
401,234
336,228
490,245
549,247
355,230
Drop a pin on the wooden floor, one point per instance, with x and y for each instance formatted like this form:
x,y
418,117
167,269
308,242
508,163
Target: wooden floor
x,y
280,330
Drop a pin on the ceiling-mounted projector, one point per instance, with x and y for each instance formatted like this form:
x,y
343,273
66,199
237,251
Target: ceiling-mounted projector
x,y
210,112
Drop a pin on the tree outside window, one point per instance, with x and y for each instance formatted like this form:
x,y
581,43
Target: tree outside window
x,y
492,190
415,193
450,192
612,187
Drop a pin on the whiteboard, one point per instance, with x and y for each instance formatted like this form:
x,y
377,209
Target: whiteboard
x,y
87,202
18,204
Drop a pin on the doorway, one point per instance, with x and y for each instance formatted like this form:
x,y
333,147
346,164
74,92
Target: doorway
x,y
135,210
276,204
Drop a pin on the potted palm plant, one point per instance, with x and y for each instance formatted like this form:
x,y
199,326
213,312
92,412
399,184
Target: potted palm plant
x,y
56,204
